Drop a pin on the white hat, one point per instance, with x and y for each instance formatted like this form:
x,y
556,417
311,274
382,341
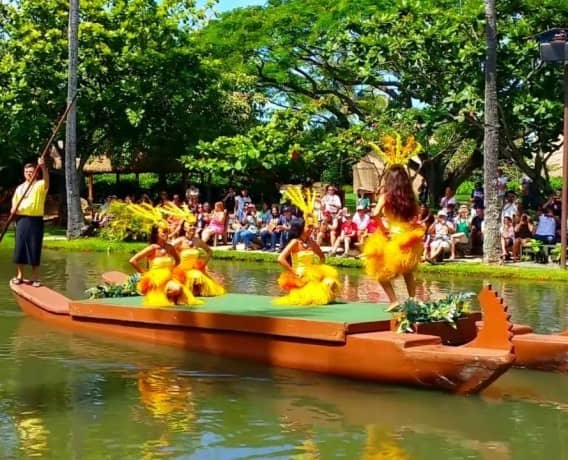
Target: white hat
x,y
441,212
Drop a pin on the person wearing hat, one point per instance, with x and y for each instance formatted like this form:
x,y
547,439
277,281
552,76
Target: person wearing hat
x,y
331,201
361,219
439,233
347,236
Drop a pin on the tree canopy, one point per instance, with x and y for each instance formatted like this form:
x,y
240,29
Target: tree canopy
x,y
291,89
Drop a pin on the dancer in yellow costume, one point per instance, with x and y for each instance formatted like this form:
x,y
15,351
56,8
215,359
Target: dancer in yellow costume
x,y
157,284
194,255
307,282
397,245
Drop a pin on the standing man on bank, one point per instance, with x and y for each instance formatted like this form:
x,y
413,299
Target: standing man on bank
x,y
29,220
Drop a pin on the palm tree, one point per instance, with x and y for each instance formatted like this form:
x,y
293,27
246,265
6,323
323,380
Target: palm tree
x,y
74,212
491,237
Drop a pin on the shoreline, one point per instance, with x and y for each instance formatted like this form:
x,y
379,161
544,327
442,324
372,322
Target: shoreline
x,y
458,267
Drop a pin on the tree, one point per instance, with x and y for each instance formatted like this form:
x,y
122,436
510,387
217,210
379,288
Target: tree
x,y
425,57
145,87
491,234
74,212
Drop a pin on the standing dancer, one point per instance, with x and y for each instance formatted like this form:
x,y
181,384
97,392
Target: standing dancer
x,y
396,247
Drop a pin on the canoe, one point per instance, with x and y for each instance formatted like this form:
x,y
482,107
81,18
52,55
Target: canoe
x,y
349,340
546,352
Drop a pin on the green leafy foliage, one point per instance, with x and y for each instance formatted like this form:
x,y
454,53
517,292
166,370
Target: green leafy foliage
x,y
127,289
123,225
448,309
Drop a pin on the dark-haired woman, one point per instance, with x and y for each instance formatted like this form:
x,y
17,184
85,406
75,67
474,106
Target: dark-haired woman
x,y
157,284
194,255
396,247
306,278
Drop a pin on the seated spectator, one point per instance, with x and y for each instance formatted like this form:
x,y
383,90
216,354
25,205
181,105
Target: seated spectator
x,y
477,226
507,234
425,216
545,230
439,232
216,225
361,220
523,234
284,225
477,198
271,231
247,231
451,214
462,230
347,236
327,232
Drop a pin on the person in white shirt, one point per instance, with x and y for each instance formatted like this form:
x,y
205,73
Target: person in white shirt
x,y
501,184
510,208
361,219
331,201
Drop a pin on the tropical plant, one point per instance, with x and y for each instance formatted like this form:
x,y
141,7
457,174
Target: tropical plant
x,y
449,309
126,289
124,225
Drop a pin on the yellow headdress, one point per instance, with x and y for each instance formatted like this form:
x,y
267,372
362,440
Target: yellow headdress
x,y
393,152
148,213
183,212
305,204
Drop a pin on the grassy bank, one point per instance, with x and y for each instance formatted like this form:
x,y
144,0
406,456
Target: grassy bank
x,y
55,239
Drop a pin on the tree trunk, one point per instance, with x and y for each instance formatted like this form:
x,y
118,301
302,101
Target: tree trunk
x,y
74,212
491,237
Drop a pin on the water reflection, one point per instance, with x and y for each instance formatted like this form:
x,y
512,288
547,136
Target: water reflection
x,y
67,395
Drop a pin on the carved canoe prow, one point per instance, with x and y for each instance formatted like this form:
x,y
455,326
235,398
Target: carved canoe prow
x,y
496,332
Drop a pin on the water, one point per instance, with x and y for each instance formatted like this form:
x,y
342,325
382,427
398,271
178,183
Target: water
x,y
65,395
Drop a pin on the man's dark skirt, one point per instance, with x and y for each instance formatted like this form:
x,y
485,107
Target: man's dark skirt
x,y
29,237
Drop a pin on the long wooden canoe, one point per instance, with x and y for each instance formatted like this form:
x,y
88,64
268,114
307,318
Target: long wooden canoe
x,y
548,352
350,340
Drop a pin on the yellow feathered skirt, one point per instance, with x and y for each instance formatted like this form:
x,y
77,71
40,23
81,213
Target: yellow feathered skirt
x,y
161,289
387,257
315,285
198,282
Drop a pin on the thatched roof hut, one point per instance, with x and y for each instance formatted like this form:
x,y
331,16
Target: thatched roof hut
x,y
368,172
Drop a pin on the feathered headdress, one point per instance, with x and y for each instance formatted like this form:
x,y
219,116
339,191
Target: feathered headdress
x,y
183,212
305,204
394,152
148,213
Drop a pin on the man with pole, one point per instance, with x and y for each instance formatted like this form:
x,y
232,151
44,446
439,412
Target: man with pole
x,y
28,205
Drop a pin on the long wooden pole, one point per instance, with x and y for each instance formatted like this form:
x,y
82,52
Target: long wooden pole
x,y
43,154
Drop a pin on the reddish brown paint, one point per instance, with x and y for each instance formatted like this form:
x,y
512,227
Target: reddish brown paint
x,y
409,359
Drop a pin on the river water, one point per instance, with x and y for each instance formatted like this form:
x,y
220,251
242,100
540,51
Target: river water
x,y
72,396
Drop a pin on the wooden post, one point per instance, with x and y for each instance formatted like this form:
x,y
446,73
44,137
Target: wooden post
x,y
91,185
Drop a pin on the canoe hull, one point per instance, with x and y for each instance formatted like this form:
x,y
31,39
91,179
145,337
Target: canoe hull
x,y
544,352
382,356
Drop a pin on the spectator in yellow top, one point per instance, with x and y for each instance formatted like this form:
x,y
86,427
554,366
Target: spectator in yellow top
x,y
28,205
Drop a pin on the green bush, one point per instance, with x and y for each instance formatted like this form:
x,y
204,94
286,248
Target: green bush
x,y
124,226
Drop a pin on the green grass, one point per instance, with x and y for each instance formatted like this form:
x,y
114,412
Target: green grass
x,y
55,239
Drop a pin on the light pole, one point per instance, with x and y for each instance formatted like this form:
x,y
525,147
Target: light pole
x,y
554,48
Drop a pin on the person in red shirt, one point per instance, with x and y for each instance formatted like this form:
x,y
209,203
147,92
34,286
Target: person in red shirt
x,y
347,236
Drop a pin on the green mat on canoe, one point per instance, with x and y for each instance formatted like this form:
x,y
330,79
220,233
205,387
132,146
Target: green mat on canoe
x,y
257,305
